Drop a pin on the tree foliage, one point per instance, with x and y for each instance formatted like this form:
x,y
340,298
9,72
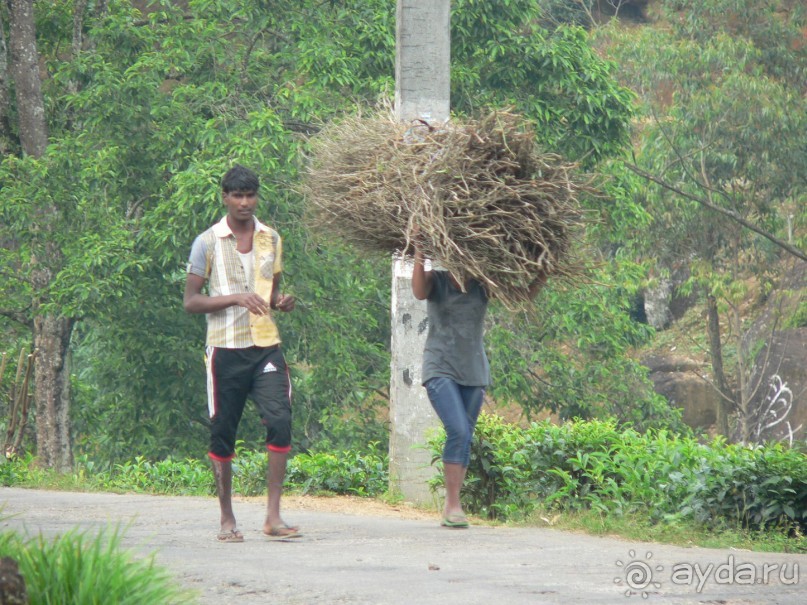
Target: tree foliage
x,y
500,55
144,121
723,115
159,99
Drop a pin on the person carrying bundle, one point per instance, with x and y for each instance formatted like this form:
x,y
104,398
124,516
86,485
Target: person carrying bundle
x,y
455,371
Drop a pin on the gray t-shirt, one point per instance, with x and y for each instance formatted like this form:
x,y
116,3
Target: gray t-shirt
x,y
454,345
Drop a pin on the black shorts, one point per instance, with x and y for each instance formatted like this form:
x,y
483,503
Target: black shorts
x,y
257,373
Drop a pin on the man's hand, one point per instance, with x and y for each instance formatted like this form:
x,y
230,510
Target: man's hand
x,y
253,303
285,303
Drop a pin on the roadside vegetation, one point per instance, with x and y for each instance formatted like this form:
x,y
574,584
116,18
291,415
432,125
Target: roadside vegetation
x,y
78,568
582,475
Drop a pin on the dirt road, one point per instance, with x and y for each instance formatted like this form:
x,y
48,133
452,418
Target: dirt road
x,y
377,555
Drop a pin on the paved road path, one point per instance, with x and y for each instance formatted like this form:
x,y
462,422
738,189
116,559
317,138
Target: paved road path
x,y
383,560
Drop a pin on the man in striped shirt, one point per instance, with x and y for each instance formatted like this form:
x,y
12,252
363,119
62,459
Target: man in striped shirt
x,y
239,261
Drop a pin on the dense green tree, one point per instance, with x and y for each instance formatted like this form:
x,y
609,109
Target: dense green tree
x,y
501,56
144,119
773,27
151,104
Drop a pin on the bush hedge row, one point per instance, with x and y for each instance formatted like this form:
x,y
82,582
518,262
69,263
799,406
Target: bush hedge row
x,y
600,466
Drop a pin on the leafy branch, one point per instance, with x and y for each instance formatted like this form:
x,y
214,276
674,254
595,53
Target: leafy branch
x,y
724,211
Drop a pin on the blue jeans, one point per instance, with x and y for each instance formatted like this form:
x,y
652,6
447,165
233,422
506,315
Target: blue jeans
x,y
458,407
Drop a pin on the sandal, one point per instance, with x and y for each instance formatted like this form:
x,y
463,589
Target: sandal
x,y
283,532
232,535
455,522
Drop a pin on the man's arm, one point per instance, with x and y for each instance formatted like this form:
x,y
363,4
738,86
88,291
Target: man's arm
x,y
281,302
195,301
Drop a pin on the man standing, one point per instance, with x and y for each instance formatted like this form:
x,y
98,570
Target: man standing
x,y
239,259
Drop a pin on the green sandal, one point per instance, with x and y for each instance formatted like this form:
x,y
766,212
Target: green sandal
x,y
455,522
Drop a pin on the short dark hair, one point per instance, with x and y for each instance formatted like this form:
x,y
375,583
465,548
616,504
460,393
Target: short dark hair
x,y
239,178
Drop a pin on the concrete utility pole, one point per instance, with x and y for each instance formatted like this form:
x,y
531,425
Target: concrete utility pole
x,y
422,89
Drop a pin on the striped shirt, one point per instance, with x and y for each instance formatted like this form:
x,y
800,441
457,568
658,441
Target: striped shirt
x,y
214,256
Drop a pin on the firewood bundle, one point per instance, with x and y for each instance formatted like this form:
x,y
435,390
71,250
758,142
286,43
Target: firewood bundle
x,y
478,195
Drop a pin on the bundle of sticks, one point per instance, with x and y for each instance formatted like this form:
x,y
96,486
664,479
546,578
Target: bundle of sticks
x,y
478,197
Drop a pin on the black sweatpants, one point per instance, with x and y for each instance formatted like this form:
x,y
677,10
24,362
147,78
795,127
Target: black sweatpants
x,y
233,376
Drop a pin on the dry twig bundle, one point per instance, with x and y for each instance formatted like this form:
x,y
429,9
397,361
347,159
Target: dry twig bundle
x,y
487,203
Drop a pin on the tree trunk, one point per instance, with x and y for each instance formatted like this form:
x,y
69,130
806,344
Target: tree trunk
x,y
79,8
51,371
51,332
716,351
742,399
101,8
25,70
52,384
5,130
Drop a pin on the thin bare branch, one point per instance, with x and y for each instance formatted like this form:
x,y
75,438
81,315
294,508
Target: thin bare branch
x,y
724,211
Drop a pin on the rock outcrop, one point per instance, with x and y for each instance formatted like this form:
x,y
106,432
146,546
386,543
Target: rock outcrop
x,y
680,380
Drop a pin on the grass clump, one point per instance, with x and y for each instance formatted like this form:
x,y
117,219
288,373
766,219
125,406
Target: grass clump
x,y
79,569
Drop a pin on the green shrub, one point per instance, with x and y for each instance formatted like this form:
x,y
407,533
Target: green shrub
x,y
799,317
20,470
757,487
77,569
249,472
187,477
345,472
595,465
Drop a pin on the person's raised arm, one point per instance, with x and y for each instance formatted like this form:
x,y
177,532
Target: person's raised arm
x,y
536,285
195,301
421,279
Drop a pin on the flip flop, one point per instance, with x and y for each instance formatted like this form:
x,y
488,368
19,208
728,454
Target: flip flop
x,y
455,522
232,535
283,532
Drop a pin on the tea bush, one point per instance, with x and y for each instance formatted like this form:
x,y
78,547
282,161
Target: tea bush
x,y
598,466
514,472
344,472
